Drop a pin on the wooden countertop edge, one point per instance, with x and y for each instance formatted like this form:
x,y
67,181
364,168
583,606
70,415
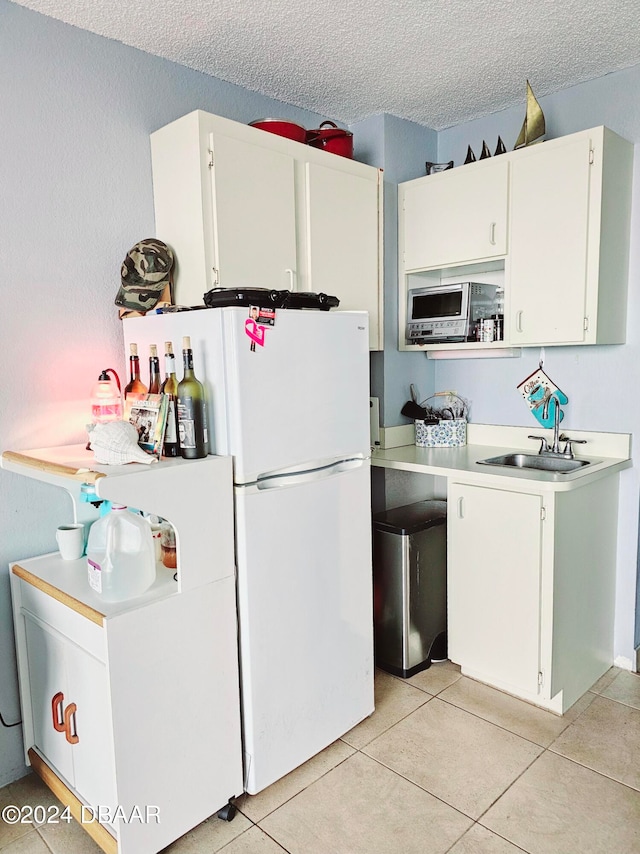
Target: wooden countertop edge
x,y
83,475
75,604
94,829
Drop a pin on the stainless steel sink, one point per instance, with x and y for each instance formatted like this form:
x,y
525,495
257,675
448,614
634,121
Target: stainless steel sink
x,y
535,461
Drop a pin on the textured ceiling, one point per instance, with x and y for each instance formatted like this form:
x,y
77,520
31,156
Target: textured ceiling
x,y
436,62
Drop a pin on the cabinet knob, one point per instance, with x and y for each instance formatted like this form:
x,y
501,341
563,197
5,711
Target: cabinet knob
x,y
492,234
518,321
461,507
292,278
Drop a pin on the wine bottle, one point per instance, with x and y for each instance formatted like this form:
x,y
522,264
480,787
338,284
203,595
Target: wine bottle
x,y
171,447
154,370
135,388
192,410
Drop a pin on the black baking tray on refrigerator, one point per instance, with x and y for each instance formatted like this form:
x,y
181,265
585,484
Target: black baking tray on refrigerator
x,y
269,298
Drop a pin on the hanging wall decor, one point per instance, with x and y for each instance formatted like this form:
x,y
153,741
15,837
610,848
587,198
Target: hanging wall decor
x,y
542,396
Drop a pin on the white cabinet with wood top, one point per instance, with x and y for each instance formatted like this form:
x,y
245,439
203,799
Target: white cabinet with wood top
x,y
531,586
131,709
68,695
242,207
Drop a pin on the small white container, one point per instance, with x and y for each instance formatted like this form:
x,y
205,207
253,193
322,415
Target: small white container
x,y
120,555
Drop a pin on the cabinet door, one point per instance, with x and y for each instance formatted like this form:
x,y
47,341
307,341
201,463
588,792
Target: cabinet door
x,y
494,553
455,217
93,758
253,215
548,243
343,240
49,695
79,744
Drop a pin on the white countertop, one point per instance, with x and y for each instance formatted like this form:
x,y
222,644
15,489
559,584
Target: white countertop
x,y
609,453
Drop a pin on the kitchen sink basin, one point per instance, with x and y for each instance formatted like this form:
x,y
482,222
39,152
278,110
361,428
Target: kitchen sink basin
x,y
535,461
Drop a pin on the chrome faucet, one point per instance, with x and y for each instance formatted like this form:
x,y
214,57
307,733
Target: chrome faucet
x,y
567,451
555,449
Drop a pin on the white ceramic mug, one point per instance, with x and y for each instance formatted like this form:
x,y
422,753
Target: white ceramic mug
x,y
70,539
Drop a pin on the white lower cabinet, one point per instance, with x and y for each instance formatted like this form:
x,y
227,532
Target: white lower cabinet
x,y
69,696
131,710
494,586
531,584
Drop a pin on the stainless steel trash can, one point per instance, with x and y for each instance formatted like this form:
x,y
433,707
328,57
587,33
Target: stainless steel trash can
x,y
410,587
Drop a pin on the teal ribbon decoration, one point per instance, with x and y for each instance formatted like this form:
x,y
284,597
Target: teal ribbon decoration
x,y
545,402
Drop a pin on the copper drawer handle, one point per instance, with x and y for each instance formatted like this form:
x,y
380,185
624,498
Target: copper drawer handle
x,y
69,717
56,712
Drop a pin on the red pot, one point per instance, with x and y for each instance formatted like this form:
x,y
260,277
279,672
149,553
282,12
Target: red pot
x,y
282,127
331,138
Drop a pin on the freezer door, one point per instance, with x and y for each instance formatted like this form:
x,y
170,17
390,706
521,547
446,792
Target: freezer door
x,y
305,611
295,395
297,392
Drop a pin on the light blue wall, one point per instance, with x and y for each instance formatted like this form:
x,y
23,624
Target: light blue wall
x,y
601,382
400,148
75,173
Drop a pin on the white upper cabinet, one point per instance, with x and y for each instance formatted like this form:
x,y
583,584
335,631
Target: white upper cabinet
x,y
455,217
242,207
254,216
550,223
568,254
343,241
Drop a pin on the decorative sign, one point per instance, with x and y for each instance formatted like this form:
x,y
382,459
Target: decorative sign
x,y
542,396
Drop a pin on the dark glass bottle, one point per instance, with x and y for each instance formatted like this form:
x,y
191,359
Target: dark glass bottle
x,y
171,447
154,370
192,411
135,388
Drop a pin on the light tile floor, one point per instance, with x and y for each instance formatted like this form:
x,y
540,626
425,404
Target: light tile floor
x,y
445,764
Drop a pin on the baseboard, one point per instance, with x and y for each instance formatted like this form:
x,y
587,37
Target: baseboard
x,y
625,663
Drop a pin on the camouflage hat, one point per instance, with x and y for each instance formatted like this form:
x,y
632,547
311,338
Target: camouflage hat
x,y
146,271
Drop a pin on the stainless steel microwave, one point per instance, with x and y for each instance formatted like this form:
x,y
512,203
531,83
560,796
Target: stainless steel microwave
x,y
439,314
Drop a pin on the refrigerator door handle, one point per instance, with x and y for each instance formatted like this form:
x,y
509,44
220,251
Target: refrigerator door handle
x,y
285,480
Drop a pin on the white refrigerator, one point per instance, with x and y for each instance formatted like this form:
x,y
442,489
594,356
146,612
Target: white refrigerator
x,y
290,403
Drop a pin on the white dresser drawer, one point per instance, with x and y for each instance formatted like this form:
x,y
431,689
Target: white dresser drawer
x,y
78,625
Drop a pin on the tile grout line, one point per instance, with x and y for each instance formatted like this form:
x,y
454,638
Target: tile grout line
x,y
235,839
303,789
378,735
418,786
498,835
544,749
47,846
